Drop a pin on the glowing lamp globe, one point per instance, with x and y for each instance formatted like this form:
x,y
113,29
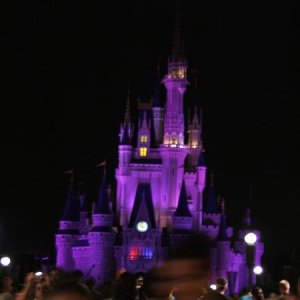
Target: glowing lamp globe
x,y
38,274
250,238
258,270
5,261
213,287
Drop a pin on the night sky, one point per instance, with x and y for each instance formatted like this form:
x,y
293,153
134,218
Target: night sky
x,y
65,69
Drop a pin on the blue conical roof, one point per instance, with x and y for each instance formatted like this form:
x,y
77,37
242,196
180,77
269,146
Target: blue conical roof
x,y
201,160
222,234
102,206
211,206
82,200
156,102
71,211
182,209
125,139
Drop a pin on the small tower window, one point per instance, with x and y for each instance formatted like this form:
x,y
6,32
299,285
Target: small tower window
x,y
143,151
144,139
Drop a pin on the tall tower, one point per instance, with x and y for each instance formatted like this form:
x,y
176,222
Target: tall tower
x,y
68,231
175,82
101,237
158,113
223,245
173,151
201,184
123,171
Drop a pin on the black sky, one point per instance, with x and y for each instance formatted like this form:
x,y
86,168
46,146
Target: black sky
x,y
66,65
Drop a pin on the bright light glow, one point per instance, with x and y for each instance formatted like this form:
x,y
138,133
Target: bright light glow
x,y
143,151
250,238
142,226
258,270
144,139
38,274
5,261
213,287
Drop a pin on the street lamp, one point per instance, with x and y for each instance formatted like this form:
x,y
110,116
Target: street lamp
x,y
258,270
250,239
5,261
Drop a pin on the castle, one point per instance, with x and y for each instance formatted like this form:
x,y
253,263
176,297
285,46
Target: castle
x,y
161,179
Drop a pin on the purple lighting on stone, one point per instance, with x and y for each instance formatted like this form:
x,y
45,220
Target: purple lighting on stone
x,y
160,187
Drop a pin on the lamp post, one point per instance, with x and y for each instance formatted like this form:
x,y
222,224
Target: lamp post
x,y
250,240
5,261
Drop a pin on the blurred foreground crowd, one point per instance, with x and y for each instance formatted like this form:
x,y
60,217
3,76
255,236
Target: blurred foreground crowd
x,y
185,275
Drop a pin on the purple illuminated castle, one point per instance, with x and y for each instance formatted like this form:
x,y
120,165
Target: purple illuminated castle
x,y
161,180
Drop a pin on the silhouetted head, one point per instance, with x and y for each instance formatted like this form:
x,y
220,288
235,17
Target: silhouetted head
x,y
284,287
186,270
69,291
257,293
222,285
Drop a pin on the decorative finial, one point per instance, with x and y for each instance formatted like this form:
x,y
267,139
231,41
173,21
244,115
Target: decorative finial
x,y
177,52
71,173
102,165
247,218
158,69
189,115
212,179
195,80
201,117
127,110
222,205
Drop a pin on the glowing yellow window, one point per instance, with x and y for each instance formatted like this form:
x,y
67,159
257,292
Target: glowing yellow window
x,y
143,151
144,139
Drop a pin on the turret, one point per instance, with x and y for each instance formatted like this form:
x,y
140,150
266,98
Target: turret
x,y
175,82
158,112
182,218
68,231
223,245
201,184
144,135
212,203
83,214
126,129
101,237
195,131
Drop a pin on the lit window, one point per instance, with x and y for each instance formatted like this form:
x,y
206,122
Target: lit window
x,y
136,252
144,139
143,151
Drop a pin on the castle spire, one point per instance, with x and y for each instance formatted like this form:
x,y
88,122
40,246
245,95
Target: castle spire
x,y
222,234
156,100
195,122
127,109
212,206
182,209
247,222
201,159
177,44
102,206
71,211
126,127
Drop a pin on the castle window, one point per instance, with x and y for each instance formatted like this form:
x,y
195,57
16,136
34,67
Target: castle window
x,y
144,139
143,151
136,252
174,141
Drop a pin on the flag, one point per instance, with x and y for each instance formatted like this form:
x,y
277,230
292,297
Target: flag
x,y
102,164
69,172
